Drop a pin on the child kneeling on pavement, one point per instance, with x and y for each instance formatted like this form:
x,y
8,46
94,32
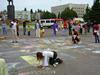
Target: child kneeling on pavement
x,y
48,58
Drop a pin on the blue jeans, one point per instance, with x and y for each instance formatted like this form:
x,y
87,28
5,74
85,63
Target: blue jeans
x,y
97,39
4,30
54,32
24,31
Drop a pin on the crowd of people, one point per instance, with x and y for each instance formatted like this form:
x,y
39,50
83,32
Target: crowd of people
x,y
50,57
75,29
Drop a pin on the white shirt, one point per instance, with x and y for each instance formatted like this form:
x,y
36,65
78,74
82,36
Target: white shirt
x,y
37,26
96,31
46,55
14,25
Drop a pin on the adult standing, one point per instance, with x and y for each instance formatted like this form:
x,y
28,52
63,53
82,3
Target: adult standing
x,y
96,32
55,28
37,28
70,28
24,27
14,31
29,30
17,27
85,28
78,27
81,29
42,31
88,27
4,28
65,24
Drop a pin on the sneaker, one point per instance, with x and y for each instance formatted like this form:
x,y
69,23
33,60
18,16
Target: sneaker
x,y
54,65
16,41
13,42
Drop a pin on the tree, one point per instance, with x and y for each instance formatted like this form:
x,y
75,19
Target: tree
x,y
95,12
47,15
68,14
73,14
25,15
64,14
31,11
25,9
53,15
39,10
59,15
31,14
87,15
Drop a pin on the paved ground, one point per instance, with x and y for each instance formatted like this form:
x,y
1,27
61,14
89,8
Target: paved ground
x,y
81,59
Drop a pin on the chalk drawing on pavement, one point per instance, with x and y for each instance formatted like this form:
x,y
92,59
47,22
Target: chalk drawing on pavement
x,y
96,52
31,60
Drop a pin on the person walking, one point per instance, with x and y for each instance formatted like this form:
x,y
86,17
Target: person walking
x,y
55,28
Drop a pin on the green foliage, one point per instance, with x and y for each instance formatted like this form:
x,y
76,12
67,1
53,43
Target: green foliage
x,y
73,13
47,15
53,15
93,15
86,16
25,9
59,15
31,11
68,14
39,10
95,12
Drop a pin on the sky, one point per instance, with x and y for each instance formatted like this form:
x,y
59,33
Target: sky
x,y
41,4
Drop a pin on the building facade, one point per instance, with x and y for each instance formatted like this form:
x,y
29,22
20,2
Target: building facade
x,y
23,15
80,9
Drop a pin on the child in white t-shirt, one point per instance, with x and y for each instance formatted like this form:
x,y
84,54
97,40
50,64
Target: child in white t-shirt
x,y
48,58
